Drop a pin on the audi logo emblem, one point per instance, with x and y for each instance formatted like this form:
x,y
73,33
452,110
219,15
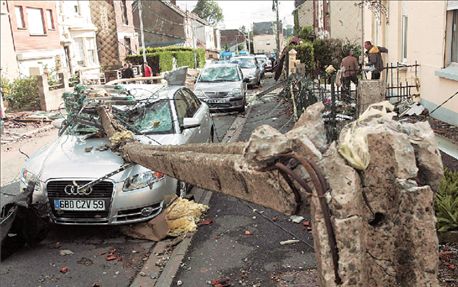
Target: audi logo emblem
x,y
73,190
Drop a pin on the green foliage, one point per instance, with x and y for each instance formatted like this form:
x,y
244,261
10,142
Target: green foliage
x,y
307,33
296,22
209,10
327,52
305,53
201,57
185,58
446,202
161,59
21,93
347,46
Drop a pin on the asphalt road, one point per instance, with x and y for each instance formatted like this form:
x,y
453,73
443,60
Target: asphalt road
x,y
91,247
243,242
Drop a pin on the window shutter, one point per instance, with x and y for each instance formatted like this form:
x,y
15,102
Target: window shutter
x,y
452,5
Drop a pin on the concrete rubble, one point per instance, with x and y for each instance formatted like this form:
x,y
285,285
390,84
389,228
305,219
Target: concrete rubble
x,y
382,214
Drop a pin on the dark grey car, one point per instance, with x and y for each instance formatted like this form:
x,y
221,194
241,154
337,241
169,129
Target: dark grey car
x,y
222,87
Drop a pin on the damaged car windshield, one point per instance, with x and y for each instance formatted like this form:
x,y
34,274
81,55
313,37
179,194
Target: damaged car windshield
x,y
149,118
219,74
245,63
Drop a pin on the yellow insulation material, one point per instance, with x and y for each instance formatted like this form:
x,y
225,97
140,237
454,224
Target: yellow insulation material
x,y
182,216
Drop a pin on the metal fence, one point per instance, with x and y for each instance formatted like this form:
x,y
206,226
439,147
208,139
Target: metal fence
x,y
402,80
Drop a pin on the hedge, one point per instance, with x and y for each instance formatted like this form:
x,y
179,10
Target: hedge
x,y
161,59
305,53
21,93
185,58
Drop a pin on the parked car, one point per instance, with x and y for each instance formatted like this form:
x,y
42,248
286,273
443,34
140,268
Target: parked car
x,y
265,62
250,69
222,87
162,115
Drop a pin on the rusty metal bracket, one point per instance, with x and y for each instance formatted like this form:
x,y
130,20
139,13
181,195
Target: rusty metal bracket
x,y
321,187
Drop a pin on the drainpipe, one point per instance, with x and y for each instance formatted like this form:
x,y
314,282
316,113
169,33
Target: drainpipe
x,y
142,35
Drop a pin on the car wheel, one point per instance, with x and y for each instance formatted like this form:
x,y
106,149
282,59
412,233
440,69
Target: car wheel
x,y
182,188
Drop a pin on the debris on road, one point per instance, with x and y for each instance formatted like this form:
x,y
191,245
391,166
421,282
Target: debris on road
x,y
65,252
205,222
247,232
291,241
182,216
112,255
221,282
64,269
296,218
179,218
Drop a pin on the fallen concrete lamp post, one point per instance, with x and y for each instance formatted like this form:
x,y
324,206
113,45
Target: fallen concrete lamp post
x,y
373,221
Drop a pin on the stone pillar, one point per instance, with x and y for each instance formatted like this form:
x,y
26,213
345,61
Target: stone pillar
x,y
369,92
43,90
292,62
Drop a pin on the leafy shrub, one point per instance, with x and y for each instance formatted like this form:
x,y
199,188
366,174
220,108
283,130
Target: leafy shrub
x,y
307,33
305,54
161,59
327,52
200,57
21,93
185,58
446,202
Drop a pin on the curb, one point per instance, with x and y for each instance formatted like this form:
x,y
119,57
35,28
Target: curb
x,y
166,276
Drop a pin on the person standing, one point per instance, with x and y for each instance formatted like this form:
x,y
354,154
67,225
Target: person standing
x,y
127,72
349,68
147,71
374,55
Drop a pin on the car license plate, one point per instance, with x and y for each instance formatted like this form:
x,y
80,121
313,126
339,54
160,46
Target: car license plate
x,y
79,204
216,101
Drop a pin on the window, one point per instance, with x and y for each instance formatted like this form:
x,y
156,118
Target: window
x,y
125,20
49,20
404,38
454,41
127,45
20,24
35,20
193,101
91,51
79,51
181,106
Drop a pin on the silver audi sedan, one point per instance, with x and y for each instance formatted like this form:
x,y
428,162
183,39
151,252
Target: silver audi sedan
x,y
163,115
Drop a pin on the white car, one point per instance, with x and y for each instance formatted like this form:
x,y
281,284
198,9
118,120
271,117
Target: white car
x,y
161,116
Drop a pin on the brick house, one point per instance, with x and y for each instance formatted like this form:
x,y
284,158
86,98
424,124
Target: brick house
x,y
35,33
116,36
265,37
231,38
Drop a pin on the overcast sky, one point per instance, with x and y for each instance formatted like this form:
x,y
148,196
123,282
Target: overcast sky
x,y
239,13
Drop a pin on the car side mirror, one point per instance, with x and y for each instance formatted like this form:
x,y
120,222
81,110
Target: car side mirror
x,y
246,80
190,123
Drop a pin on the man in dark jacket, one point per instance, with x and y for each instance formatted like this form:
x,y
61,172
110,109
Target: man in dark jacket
x,y
127,72
374,55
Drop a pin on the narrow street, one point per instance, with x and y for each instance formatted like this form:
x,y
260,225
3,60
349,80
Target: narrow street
x,y
89,245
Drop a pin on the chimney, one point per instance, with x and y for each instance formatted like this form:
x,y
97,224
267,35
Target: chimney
x,y
174,2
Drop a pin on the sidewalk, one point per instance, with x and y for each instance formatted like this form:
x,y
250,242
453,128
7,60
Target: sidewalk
x,y
243,242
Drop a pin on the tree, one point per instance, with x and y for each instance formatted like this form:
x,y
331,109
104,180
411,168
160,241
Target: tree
x,y
209,10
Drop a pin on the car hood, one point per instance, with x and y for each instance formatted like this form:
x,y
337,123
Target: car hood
x,y
217,86
249,72
76,157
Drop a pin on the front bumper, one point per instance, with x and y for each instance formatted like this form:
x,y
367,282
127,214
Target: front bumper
x,y
120,207
227,103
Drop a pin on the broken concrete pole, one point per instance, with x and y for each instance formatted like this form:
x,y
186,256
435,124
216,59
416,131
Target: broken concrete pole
x,y
222,172
382,214
369,92
313,126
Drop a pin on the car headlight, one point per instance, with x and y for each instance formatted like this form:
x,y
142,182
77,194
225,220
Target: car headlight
x,y
142,180
27,176
235,92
